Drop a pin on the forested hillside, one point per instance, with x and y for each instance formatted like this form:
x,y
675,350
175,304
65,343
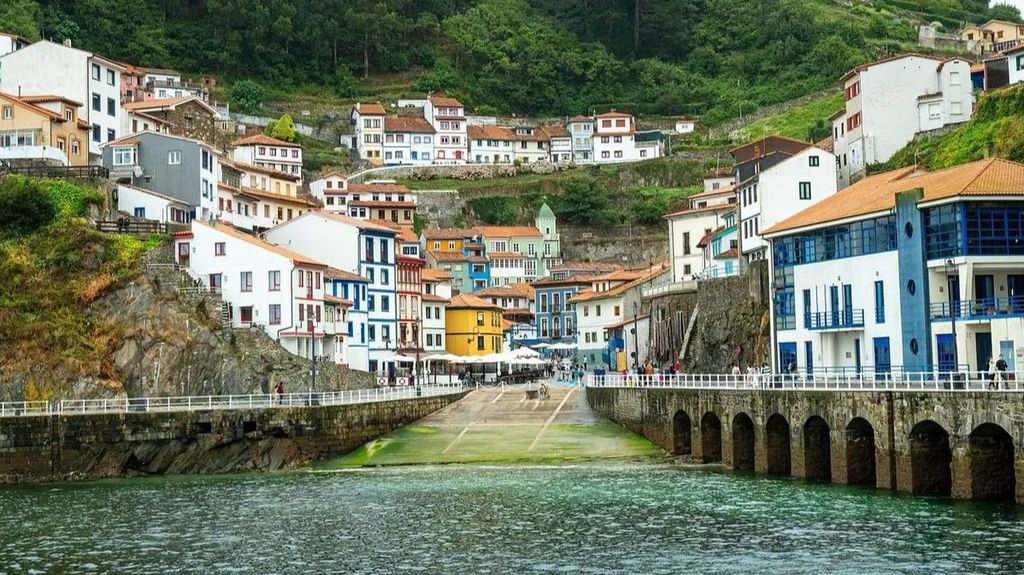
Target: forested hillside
x,y
710,57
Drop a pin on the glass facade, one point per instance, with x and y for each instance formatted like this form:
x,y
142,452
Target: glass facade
x,y
974,229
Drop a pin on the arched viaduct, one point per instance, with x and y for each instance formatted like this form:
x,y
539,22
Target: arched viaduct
x,y
962,444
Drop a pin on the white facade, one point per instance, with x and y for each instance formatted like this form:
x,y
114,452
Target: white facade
x,y
48,68
368,121
1015,66
685,126
9,43
685,230
272,154
593,317
354,246
265,285
781,191
140,203
448,117
560,148
889,101
614,138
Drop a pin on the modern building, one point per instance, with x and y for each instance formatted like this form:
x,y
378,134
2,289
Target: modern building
x,y
904,270
43,129
77,75
473,327
181,168
369,251
890,101
11,42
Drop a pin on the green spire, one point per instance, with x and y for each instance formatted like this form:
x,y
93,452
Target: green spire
x,y
545,212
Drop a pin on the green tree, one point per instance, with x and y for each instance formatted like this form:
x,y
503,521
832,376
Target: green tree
x,y
1005,12
282,129
584,201
247,96
25,206
345,84
21,17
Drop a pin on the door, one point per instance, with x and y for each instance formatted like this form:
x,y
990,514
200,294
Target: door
x,y
809,358
833,294
945,352
183,253
984,294
215,283
787,356
953,285
1006,350
847,305
983,349
856,354
883,357
1015,291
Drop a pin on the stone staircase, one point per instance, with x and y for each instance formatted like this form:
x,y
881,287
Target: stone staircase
x,y
171,277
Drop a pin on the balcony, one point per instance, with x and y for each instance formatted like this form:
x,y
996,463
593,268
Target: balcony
x,y
835,320
979,309
44,153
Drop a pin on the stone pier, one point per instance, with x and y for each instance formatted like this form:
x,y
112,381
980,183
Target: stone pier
x,y
963,444
62,448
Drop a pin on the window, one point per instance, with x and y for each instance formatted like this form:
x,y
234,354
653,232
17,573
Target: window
x,y
274,315
853,121
219,249
95,72
480,318
597,311
956,109
174,158
813,161
274,280
111,107
479,343
371,302
805,190
385,303
111,78
8,112
246,281
954,78
111,136
618,139
124,156
1020,62
96,102
618,153
879,302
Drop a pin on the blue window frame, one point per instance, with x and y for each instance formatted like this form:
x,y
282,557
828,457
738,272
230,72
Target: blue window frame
x,y
371,303
385,304
883,358
384,251
370,274
879,302
384,277
809,357
807,308
373,332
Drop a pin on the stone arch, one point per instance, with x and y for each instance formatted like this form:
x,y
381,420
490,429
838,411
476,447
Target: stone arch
x,y
991,460
860,452
817,449
742,442
682,443
930,458
711,438
777,448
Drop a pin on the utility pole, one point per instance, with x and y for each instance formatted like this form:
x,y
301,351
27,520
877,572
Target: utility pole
x,y
636,342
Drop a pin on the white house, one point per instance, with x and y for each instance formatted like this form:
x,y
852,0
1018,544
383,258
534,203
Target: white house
x,y
264,285
613,138
720,249
559,143
9,43
437,290
368,122
448,117
685,125
1015,65
266,152
531,144
408,140
719,178
779,191
491,145
356,246
48,68
685,230
150,205
890,101
874,278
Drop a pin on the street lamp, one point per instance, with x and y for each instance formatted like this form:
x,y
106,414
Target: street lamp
x,y
951,268
636,344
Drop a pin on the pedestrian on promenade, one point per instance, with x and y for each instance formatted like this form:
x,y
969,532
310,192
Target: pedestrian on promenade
x,y
1001,367
280,392
991,373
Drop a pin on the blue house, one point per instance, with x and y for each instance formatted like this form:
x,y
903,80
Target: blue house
x,y
554,318
353,288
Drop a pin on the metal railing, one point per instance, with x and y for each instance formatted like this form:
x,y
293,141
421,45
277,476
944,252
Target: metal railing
x,y
61,172
224,402
837,319
19,408
145,227
979,308
907,381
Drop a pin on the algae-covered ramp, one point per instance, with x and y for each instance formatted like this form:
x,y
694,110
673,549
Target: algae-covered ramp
x,y
503,425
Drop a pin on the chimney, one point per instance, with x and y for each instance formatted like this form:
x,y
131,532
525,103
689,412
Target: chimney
x,y
67,42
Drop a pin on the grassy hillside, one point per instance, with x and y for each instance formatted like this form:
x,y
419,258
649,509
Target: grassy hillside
x,y
805,122
997,129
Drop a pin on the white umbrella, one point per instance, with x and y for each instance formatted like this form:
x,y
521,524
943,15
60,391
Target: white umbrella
x,y
542,346
564,346
441,357
525,352
398,358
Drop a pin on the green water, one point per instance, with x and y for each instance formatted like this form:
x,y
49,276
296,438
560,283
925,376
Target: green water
x,y
626,518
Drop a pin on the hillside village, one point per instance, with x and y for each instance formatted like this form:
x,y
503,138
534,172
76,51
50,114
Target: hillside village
x,y
864,271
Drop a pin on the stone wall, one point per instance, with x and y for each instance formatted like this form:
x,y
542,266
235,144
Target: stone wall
x,y
63,448
440,207
636,245
963,444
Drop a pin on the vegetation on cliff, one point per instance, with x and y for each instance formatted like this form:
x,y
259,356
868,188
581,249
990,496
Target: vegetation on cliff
x,y
709,57
54,265
997,130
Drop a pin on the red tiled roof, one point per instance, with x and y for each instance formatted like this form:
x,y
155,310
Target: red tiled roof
x,y
614,115
489,133
717,208
265,195
151,104
728,254
434,274
411,124
468,301
45,98
337,274
446,234
555,131
337,300
587,266
244,167
434,298
370,109
589,295
508,232
445,102
235,233
506,255
766,146
382,204
263,139
37,109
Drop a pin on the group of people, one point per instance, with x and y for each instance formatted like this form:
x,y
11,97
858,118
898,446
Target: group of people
x,y
571,372
997,373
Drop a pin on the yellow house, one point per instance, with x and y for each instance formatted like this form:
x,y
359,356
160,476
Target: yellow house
x,y
444,239
472,327
274,196
992,36
43,128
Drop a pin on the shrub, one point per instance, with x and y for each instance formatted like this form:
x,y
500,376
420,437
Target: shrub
x,y
247,96
25,206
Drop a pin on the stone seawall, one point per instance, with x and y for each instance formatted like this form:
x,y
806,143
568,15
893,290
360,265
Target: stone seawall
x,y
65,448
963,444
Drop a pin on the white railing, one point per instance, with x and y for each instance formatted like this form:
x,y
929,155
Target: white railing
x,y
905,381
19,408
224,402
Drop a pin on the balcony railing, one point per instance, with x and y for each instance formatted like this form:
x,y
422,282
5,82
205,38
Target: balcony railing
x,y
979,308
76,173
838,319
44,153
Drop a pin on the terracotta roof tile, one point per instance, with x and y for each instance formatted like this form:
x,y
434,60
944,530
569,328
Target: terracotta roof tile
x,y
590,295
695,211
489,133
411,124
381,188
877,193
469,301
263,139
370,109
434,298
45,98
446,234
445,102
228,230
434,274
264,195
492,232
244,167
338,274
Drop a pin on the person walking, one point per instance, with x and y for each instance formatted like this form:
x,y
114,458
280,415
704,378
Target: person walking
x,y
1001,367
280,392
991,373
